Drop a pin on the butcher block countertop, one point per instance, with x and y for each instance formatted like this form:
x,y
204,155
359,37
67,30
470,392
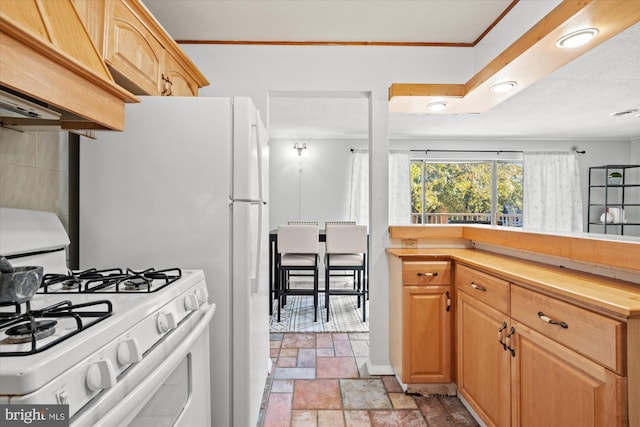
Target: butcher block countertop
x,y
609,296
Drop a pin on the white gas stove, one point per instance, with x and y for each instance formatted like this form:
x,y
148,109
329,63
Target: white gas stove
x,y
110,344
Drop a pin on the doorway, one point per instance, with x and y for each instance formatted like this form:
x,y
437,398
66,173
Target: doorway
x,y
314,184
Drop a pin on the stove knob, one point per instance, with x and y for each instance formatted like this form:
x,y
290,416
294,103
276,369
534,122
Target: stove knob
x,y
129,352
62,398
166,322
100,375
191,302
201,293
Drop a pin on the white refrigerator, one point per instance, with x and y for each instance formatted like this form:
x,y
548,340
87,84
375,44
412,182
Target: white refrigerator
x,y
185,185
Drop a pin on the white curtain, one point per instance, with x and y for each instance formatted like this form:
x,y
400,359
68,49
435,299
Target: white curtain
x,y
399,188
552,197
359,205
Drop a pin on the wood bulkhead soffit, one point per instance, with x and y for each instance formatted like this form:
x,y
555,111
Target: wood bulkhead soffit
x,y
529,59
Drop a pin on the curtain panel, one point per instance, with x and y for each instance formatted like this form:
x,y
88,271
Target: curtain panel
x,y
552,197
399,187
359,203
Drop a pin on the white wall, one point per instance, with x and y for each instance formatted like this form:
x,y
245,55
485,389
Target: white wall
x,y
322,177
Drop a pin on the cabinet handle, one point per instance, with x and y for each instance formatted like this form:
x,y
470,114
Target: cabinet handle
x,y
508,342
167,85
448,301
550,321
501,334
434,274
478,287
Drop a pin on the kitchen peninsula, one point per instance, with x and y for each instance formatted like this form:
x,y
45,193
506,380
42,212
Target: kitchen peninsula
x,y
542,327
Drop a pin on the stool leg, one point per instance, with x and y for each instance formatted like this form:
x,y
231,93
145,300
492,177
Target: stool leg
x,y
279,295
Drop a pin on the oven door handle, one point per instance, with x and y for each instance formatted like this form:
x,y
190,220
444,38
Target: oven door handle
x,y
125,410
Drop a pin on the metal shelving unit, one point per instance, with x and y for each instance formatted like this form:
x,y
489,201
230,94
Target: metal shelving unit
x,y
605,194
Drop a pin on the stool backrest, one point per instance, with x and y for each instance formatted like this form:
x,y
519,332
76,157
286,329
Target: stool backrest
x,y
302,223
298,239
346,239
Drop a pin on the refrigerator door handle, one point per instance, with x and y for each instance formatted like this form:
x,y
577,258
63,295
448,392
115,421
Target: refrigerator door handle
x,y
259,127
255,280
250,201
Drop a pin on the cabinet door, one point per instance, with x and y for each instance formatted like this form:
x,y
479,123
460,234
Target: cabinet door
x,y
555,386
133,54
483,363
175,80
426,334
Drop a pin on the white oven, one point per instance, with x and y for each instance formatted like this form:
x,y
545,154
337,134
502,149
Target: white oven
x,y
119,347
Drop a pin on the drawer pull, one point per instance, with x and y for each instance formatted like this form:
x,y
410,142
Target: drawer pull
x,y
500,335
434,274
448,301
551,321
478,287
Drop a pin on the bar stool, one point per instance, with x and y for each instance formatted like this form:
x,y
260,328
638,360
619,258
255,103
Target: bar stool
x,y
346,250
297,250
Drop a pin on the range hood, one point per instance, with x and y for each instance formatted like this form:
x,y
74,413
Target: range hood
x,y
18,107
52,72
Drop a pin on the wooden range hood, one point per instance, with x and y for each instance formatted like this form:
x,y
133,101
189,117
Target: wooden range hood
x,y
47,55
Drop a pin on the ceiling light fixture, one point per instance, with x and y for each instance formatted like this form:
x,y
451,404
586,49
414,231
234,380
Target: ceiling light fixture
x,y
300,148
503,87
437,106
577,38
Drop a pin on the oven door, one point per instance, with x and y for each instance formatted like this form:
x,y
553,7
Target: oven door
x,y
168,387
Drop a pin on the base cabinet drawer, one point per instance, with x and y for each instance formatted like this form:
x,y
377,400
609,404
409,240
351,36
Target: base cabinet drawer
x,y
596,337
426,273
484,287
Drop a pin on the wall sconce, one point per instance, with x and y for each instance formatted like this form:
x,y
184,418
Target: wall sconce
x,y
300,148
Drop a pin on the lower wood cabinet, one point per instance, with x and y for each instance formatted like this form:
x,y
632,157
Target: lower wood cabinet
x,y
555,386
483,364
426,334
420,320
522,359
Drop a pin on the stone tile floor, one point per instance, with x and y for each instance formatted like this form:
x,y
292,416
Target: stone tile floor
x,y
320,379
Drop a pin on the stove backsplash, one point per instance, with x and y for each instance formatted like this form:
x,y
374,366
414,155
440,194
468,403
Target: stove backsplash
x,y
34,171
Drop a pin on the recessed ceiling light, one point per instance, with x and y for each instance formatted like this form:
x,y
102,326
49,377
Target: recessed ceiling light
x,y
577,38
503,87
437,106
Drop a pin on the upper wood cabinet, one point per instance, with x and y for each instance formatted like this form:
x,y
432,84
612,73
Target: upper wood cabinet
x,y
142,57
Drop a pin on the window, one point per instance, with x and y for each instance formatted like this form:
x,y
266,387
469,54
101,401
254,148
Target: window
x,y
466,192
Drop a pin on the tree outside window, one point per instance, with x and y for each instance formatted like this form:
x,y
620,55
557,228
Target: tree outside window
x,y
484,192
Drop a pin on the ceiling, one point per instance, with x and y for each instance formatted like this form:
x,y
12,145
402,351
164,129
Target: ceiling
x,y
575,101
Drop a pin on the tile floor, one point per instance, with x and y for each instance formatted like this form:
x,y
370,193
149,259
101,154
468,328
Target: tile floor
x,y
320,379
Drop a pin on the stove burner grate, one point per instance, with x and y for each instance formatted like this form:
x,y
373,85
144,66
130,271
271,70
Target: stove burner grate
x,y
110,281
33,326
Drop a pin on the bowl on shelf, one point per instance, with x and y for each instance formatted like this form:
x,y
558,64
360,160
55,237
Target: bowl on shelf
x,y
614,178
